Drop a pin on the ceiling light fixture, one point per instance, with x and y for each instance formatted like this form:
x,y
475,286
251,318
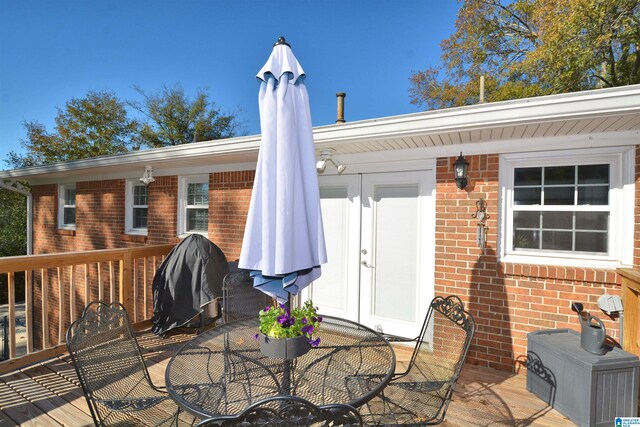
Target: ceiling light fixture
x,y
147,176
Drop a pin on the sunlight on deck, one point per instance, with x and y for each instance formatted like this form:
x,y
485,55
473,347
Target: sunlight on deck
x,y
48,394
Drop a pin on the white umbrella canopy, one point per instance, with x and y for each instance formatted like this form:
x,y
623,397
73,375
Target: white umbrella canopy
x,y
283,241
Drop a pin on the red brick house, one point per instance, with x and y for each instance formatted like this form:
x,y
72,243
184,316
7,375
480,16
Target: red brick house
x,y
558,175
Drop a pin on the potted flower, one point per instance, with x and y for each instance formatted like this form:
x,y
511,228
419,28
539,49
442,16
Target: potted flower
x,y
287,334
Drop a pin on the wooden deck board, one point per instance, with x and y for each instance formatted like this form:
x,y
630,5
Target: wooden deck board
x,y
19,410
54,405
48,394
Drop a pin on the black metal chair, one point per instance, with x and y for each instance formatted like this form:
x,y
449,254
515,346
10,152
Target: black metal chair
x,y
111,370
288,411
240,300
420,394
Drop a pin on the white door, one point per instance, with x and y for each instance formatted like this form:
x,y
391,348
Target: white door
x,y
336,293
379,230
397,250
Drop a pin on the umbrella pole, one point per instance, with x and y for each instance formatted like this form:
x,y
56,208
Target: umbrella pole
x,y
286,368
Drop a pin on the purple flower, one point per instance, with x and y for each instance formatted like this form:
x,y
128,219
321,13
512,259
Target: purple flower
x,y
255,337
307,329
267,308
285,320
319,319
314,343
304,321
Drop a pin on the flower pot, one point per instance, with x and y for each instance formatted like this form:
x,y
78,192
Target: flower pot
x,y
284,348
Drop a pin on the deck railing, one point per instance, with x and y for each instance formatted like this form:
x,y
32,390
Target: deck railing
x,y
58,286
631,304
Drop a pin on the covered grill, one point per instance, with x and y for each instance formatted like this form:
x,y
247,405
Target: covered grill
x,y
188,279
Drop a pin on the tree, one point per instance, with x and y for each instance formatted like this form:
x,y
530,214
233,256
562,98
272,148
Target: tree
x,y
13,217
533,47
92,126
13,239
175,119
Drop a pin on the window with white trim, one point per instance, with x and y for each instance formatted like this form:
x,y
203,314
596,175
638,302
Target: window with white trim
x,y
567,206
137,207
193,202
67,206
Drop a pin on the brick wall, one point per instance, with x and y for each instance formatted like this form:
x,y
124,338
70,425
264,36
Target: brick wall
x,y
229,198
507,300
100,224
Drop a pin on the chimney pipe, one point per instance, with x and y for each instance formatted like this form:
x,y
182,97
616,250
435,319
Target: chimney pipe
x,y
481,98
340,96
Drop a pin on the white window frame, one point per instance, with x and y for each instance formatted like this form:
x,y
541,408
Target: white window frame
x,y
129,207
621,206
183,183
62,189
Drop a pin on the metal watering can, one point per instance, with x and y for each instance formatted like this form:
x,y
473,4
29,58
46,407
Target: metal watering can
x,y
593,335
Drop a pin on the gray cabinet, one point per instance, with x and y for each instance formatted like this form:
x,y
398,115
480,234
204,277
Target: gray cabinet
x,y
590,390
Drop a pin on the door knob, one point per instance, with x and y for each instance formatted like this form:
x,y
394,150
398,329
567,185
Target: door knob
x,y
366,264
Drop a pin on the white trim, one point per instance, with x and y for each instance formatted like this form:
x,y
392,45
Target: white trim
x,y
183,182
472,120
62,188
622,190
128,208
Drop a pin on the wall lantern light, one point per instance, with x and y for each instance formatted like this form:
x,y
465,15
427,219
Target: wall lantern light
x,y
460,171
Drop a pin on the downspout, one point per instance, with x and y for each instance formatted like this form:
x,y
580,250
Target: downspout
x,y
19,188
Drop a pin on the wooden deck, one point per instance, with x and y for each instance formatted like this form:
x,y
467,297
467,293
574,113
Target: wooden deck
x,y
47,394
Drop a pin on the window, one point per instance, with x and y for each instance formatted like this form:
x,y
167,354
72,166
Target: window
x,y
193,198
569,206
67,206
137,207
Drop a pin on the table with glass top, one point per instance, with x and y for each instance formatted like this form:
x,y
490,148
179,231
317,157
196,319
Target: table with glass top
x,y
222,371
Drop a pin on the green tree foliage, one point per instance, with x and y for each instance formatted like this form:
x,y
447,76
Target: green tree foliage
x,y
175,119
533,47
92,126
13,217
13,236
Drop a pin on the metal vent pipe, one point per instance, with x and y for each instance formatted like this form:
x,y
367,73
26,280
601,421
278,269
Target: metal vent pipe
x,y
340,96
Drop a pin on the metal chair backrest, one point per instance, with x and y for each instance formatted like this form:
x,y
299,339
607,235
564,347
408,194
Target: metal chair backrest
x,y
107,358
289,411
240,300
444,341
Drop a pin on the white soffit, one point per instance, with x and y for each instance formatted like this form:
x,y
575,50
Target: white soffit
x,y
582,113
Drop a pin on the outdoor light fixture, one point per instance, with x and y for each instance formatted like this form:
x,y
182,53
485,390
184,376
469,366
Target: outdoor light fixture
x,y
147,176
460,171
326,156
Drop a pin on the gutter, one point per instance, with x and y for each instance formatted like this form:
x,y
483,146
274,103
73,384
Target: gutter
x,y
17,187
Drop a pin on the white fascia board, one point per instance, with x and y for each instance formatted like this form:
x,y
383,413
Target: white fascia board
x,y
594,103
597,103
240,148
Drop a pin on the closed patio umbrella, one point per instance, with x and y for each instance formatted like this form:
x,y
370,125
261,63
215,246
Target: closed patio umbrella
x,y
283,241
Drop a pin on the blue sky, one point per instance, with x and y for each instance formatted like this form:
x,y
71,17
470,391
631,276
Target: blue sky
x,y
52,51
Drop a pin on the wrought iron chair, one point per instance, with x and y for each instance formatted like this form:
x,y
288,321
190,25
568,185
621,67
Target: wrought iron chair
x,y
288,411
240,300
420,394
111,370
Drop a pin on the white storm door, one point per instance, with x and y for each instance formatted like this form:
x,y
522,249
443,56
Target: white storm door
x,y
336,291
397,250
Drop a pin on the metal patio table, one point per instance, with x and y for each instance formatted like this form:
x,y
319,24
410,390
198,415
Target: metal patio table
x,y
222,371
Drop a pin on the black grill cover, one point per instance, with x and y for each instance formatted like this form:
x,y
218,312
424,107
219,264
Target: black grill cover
x,y
188,279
